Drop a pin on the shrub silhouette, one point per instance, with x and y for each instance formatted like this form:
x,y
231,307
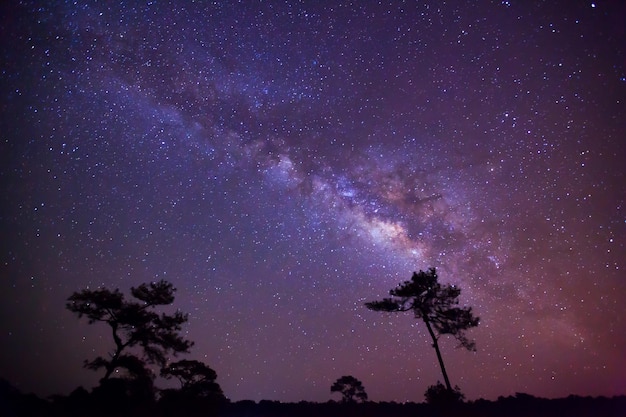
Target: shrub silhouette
x,y
439,395
350,388
197,380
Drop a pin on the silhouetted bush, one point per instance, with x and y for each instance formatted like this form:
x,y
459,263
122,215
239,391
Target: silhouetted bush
x,y
438,395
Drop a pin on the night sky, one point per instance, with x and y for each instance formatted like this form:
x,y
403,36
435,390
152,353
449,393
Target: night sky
x,y
281,163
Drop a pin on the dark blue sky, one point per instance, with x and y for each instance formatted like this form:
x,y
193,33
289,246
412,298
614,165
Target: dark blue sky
x,y
283,162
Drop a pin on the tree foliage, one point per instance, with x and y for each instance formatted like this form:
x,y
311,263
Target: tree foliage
x,y
134,324
196,378
436,305
439,395
350,388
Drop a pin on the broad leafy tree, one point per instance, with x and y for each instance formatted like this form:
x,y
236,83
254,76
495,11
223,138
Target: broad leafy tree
x,y
140,335
436,305
350,388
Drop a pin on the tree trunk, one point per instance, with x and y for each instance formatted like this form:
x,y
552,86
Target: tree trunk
x,y
119,346
436,346
110,367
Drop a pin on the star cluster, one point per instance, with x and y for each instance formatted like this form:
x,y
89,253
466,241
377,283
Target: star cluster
x,y
283,162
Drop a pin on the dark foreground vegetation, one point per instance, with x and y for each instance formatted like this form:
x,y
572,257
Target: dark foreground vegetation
x,y
145,340
98,404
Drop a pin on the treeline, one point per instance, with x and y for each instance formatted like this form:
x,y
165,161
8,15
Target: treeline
x,y
146,343
85,404
145,339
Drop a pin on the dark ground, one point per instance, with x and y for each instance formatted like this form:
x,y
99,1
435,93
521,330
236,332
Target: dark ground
x,y
82,403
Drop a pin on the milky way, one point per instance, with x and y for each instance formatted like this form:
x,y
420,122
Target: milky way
x,y
283,162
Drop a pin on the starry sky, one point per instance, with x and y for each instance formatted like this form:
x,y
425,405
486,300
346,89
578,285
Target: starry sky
x,y
283,162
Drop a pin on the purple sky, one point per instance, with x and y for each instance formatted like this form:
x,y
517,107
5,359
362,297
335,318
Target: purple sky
x,y
281,163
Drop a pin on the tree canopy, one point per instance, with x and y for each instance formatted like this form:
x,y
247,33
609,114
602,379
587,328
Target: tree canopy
x,y
350,388
134,323
196,379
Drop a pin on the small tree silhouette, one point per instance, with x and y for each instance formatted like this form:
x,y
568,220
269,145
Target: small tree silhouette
x,y
439,395
197,380
351,389
133,324
435,304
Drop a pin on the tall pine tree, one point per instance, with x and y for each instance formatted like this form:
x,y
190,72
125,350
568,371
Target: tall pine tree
x,y
436,305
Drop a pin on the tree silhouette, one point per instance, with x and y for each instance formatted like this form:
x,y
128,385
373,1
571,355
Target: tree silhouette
x,y
436,305
439,395
133,324
196,378
351,389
